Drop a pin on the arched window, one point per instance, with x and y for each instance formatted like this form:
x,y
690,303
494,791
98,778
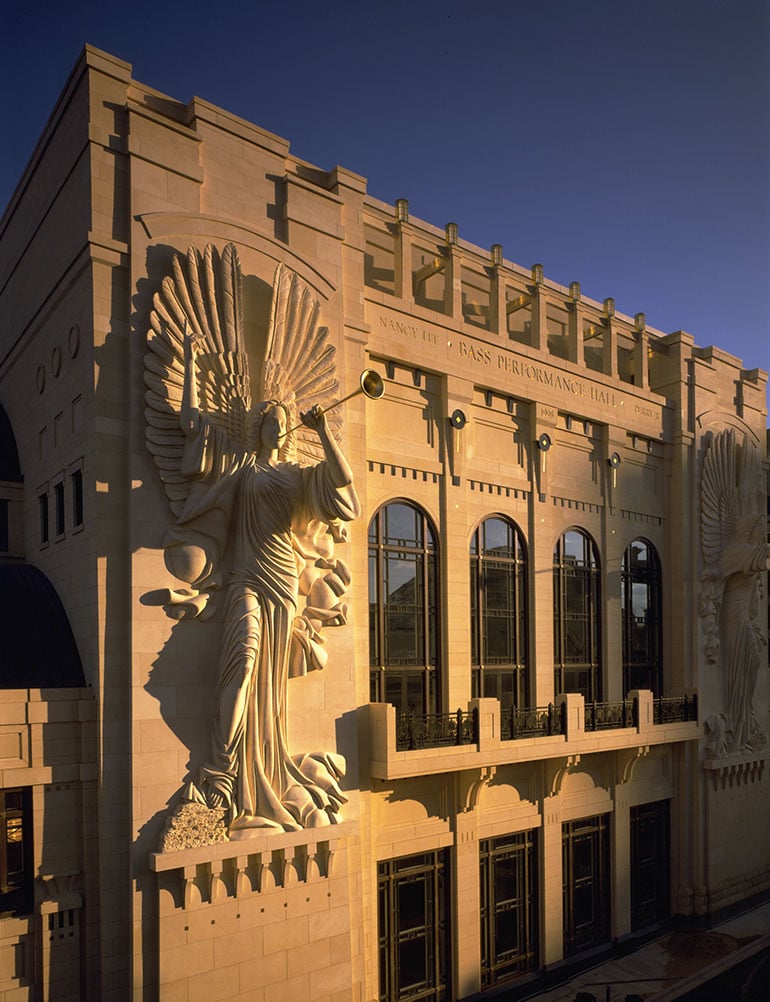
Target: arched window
x,y
640,599
403,609
577,615
499,612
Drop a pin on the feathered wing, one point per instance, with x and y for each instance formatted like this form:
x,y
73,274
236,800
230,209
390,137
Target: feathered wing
x,y
720,497
202,296
300,365
731,488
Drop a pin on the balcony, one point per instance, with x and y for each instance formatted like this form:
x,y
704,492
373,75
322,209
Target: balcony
x,y
483,735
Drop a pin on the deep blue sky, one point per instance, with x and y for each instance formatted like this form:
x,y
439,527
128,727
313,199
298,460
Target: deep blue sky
x,y
623,143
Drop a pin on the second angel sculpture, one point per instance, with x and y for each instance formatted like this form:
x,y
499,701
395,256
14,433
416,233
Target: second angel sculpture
x,y
260,504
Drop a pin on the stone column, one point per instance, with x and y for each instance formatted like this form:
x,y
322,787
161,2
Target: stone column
x,y
453,275
609,341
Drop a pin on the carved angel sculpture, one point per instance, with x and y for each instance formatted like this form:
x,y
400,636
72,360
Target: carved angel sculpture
x,y
252,521
735,555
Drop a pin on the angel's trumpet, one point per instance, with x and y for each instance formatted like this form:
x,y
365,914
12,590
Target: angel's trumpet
x,y
370,384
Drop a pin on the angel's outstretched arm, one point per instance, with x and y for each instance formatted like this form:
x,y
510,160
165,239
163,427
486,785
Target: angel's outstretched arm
x,y
189,415
339,470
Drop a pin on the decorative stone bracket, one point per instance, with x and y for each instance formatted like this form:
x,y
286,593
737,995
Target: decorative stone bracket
x,y
210,874
738,770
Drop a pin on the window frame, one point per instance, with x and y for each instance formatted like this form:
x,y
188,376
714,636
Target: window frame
x,y
432,868
652,665
386,670
595,832
650,879
16,895
522,846
44,514
59,507
585,578
486,673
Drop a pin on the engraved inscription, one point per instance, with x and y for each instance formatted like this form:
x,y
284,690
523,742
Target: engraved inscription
x,y
483,356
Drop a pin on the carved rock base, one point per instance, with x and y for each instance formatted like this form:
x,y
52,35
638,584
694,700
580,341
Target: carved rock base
x,y
191,826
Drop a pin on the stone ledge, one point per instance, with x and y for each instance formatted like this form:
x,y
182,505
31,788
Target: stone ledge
x,y
260,841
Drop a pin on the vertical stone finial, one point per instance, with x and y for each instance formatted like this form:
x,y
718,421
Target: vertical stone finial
x,y
451,233
402,210
574,291
609,307
537,274
496,255
640,321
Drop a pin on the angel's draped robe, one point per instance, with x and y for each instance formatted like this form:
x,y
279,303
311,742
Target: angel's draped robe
x,y
245,510
742,639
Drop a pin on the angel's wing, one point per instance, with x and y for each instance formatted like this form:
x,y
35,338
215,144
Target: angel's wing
x,y
720,495
202,297
300,364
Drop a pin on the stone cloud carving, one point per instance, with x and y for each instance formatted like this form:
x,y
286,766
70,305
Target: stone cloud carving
x,y
260,493
735,556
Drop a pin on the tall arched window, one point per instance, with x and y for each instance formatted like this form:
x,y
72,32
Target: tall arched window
x,y
403,613
499,612
577,615
640,599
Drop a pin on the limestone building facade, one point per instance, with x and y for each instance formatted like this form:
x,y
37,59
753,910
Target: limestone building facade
x,y
499,706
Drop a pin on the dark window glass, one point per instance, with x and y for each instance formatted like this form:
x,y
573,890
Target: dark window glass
x,y
413,928
650,864
641,607
77,497
586,883
498,574
577,621
403,608
58,493
508,907
43,509
3,525
16,864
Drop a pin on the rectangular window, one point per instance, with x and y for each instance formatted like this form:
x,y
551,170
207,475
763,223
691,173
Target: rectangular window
x,y
77,498
3,525
508,866
586,883
16,867
42,502
650,864
58,495
413,928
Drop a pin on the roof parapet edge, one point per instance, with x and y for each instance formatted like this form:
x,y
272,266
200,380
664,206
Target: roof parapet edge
x,y
207,112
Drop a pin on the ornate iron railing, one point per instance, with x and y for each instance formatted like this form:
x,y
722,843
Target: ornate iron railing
x,y
675,709
607,716
531,722
435,730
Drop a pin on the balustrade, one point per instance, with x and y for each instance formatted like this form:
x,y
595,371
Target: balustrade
x,y
675,709
531,722
434,730
607,716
